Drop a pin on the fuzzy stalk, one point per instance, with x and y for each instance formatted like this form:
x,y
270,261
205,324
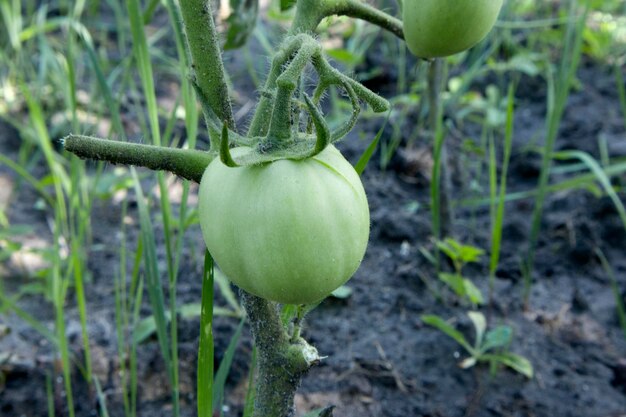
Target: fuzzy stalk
x,y
186,163
309,14
206,57
281,361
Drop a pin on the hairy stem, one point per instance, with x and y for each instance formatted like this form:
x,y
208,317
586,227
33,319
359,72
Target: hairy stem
x,y
206,58
360,10
311,12
186,163
281,362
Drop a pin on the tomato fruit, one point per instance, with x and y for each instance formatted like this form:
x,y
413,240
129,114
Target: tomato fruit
x,y
437,28
287,231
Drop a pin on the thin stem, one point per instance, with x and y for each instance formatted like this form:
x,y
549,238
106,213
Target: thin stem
x,y
206,58
186,163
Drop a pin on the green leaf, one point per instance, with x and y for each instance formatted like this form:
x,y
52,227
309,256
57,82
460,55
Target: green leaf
x,y
241,22
458,252
449,248
469,253
516,362
367,155
450,331
110,182
286,4
501,336
480,325
345,56
454,281
472,292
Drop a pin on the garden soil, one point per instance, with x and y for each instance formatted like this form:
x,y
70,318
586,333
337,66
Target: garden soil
x,y
380,358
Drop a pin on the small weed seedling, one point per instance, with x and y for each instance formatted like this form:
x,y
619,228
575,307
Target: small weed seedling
x,y
489,346
460,255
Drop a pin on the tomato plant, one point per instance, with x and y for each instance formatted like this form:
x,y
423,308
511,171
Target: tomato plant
x,y
437,28
287,231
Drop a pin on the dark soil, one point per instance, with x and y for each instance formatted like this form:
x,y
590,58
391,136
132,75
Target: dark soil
x,y
382,360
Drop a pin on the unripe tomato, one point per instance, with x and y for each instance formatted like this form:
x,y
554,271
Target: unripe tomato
x,y
437,28
287,231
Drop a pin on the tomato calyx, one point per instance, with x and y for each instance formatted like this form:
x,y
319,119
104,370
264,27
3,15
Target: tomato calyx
x,y
269,149
293,128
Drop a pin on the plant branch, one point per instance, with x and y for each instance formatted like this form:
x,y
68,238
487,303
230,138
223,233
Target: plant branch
x,y
206,58
281,362
360,10
311,12
186,163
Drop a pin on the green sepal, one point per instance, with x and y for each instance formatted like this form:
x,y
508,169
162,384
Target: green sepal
x,y
225,155
321,127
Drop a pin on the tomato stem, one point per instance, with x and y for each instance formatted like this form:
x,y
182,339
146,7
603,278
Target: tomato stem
x,y
309,14
186,163
281,361
206,58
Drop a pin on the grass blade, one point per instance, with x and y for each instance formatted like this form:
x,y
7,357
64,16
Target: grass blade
x,y
498,218
621,90
101,399
619,302
369,152
248,408
440,324
600,175
205,349
155,289
557,99
224,369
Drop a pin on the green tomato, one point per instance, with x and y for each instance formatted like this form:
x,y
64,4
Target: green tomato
x,y
437,28
287,231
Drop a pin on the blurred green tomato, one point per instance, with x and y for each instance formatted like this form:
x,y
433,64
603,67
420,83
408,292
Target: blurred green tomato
x,y
438,28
